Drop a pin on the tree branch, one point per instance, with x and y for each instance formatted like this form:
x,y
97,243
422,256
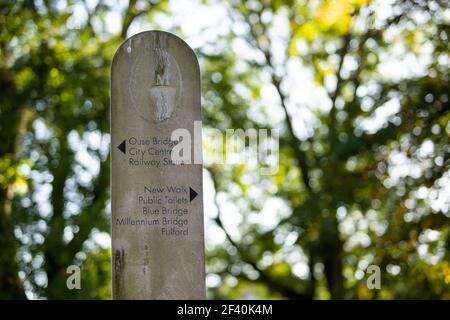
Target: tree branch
x,y
294,141
130,14
287,291
92,13
334,95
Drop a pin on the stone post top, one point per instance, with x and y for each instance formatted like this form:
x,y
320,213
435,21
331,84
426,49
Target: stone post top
x,y
158,38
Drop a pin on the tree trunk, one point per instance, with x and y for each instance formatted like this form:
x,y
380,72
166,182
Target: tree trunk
x,y
11,286
332,258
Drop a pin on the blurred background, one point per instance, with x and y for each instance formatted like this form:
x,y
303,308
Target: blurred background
x,y
358,89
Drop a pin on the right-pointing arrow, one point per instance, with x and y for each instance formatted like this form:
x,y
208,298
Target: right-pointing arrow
x,y
192,194
123,147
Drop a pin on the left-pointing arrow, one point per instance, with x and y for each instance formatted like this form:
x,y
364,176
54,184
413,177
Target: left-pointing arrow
x,y
122,147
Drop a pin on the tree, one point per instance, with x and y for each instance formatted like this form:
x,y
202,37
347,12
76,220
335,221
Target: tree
x,y
348,205
54,162
358,89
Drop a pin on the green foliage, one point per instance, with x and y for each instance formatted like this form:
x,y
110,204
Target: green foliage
x,y
54,76
346,209
96,271
353,188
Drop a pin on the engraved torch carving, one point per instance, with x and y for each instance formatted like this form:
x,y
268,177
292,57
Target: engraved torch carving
x,y
163,94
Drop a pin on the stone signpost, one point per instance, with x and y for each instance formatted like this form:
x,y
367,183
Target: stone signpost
x,y
157,209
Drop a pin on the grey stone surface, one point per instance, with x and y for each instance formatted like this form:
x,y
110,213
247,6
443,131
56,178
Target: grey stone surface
x,y
157,232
